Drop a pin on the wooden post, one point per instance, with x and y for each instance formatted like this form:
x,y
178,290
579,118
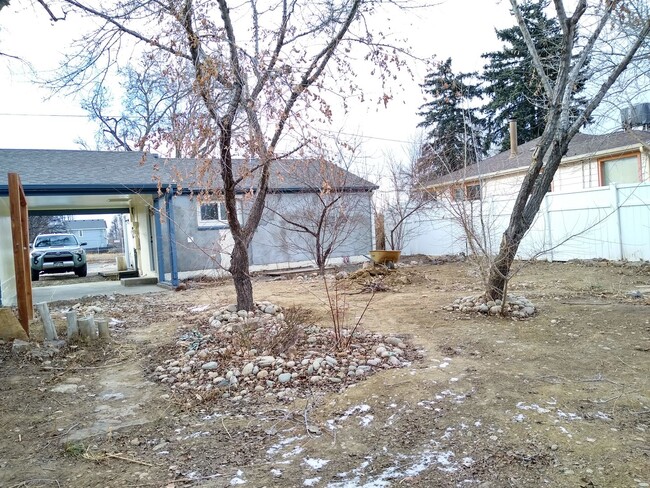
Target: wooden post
x,y
48,325
102,328
20,239
73,328
87,328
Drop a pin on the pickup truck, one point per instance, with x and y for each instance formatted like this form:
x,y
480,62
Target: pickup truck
x,y
57,253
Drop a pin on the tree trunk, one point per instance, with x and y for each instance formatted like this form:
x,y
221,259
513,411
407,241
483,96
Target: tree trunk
x,y
501,266
239,269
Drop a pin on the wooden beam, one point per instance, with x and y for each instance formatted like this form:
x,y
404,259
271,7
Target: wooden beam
x,y
20,249
24,222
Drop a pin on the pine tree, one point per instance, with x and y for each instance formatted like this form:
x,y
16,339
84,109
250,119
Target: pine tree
x,y
454,139
511,83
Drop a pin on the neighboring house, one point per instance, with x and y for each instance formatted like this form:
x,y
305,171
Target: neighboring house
x,y
598,205
93,232
591,161
172,230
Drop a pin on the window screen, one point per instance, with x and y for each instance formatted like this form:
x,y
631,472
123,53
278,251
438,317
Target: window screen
x,y
624,170
473,192
213,211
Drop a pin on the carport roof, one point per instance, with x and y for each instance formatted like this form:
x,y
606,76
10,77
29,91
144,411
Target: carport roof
x,y
53,171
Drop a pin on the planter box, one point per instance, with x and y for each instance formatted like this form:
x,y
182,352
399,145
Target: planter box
x,y
383,257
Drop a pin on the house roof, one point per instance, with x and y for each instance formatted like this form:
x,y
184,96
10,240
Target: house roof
x,y
107,171
582,146
86,224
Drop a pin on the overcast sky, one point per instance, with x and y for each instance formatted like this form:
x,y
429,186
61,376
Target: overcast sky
x,y
462,29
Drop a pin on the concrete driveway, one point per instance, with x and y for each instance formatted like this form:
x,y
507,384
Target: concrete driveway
x,y
75,291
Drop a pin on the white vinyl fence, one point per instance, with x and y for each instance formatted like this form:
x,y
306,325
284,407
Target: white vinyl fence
x,y
607,222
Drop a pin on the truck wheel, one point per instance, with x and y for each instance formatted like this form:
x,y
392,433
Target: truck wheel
x,y
82,271
35,275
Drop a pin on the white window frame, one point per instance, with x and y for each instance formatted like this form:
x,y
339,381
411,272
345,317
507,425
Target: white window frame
x,y
223,219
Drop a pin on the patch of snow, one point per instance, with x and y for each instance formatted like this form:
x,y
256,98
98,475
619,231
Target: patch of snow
x,y
366,420
602,416
519,418
534,407
453,380
238,480
315,463
276,472
275,448
199,308
477,423
311,481
443,365
294,452
195,435
568,416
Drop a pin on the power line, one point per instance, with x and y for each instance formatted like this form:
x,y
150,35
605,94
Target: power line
x,y
362,136
41,115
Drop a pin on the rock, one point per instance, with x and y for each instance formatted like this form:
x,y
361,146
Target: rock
x,y
65,388
393,361
483,308
528,311
20,346
265,361
231,308
210,365
247,370
361,370
371,362
242,313
317,363
284,377
495,310
315,379
262,374
380,350
270,309
331,361
393,341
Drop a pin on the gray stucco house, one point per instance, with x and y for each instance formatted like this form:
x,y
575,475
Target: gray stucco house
x,y
174,227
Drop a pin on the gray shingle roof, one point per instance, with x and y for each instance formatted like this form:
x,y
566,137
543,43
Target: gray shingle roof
x,y
119,170
584,145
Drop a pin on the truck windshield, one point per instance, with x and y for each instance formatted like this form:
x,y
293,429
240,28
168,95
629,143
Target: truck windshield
x,y
56,241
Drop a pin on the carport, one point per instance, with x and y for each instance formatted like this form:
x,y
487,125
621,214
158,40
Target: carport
x,y
61,182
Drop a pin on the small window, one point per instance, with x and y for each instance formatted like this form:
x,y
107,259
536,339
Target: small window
x,y
467,192
212,213
621,170
473,192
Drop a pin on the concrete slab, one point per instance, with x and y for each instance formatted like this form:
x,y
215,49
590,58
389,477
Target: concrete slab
x,y
80,290
142,280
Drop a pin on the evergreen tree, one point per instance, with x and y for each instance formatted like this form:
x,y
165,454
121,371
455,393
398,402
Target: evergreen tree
x,y
454,139
511,83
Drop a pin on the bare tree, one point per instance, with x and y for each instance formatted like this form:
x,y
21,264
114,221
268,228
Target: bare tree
x,y
562,122
325,217
257,69
159,109
45,224
403,200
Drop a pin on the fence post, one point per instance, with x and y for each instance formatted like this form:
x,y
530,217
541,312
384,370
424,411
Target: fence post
x,y
548,230
613,193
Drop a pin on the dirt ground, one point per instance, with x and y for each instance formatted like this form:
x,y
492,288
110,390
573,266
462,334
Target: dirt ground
x,y
561,399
